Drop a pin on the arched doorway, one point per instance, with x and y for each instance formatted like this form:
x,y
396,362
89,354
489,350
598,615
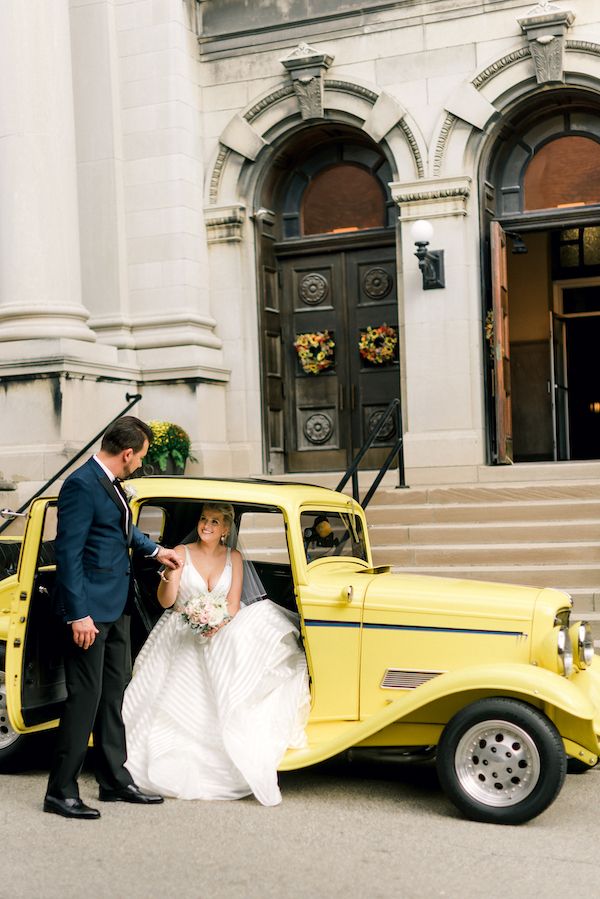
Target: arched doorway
x,y
541,214
328,300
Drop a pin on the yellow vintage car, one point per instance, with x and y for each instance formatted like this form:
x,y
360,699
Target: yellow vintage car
x,y
494,681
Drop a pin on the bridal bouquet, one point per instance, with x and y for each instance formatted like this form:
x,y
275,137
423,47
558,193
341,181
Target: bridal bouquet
x,y
204,614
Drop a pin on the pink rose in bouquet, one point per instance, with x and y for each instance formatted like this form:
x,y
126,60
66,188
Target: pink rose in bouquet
x,y
204,614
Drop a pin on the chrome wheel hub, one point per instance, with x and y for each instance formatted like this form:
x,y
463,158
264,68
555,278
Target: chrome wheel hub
x,y
497,763
8,735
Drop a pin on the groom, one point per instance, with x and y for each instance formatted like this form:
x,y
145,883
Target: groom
x,y
93,574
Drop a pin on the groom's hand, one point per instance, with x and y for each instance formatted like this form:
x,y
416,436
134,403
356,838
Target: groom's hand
x,y
84,632
168,557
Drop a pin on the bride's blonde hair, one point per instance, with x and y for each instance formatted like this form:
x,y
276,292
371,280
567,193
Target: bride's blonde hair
x,y
226,510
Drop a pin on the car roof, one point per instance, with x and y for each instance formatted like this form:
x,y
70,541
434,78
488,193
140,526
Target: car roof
x,y
242,490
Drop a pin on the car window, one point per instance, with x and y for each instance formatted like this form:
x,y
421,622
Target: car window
x,y
46,553
332,534
263,536
10,551
151,522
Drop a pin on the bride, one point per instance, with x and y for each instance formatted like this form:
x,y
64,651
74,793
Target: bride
x,y
211,716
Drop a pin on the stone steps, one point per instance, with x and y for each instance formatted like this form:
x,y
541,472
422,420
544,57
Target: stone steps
x,y
508,532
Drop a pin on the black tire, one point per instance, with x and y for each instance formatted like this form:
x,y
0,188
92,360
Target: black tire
x,y
11,742
500,761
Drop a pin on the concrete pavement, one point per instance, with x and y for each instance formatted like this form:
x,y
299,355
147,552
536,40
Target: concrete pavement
x,y
342,831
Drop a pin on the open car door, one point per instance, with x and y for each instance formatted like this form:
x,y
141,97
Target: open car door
x,y
501,383
35,685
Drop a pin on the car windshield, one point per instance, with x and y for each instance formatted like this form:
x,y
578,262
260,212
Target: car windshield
x,y
332,534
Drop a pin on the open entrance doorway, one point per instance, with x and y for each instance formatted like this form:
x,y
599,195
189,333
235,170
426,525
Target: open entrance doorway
x,y
553,335
542,312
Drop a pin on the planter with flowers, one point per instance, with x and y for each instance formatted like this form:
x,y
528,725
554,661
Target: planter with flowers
x,y
315,351
169,451
377,346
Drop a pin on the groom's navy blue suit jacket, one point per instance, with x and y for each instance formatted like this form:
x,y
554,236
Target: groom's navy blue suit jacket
x,y
93,570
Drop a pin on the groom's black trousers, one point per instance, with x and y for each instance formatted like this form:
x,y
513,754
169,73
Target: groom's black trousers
x,y
96,679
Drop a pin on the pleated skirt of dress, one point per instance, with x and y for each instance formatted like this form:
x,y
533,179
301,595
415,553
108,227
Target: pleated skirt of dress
x,y
212,718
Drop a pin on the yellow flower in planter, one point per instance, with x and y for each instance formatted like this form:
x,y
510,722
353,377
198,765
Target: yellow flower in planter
x,y
170,442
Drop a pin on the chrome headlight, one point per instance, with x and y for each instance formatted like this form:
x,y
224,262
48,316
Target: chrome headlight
x,y
583,643
565,651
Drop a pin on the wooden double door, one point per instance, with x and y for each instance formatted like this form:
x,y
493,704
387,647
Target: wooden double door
x,y
325,417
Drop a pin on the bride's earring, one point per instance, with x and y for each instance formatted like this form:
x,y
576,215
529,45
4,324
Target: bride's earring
x,y
223,538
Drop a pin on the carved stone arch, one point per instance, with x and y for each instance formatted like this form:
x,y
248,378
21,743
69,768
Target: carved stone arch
x,y
472,111
275,116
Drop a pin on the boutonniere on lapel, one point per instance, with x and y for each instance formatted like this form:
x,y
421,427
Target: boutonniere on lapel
x,y
129,492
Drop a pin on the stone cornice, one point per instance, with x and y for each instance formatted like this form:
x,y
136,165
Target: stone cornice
x,y
433,198
224,224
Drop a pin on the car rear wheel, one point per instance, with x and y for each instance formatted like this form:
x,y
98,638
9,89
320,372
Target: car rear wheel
x,y
11,742
501,761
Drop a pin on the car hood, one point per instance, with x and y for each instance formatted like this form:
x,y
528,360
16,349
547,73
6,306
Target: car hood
x,y
455,599
453,602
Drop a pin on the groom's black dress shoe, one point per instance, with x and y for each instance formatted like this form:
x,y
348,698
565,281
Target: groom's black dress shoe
x,y
70,808
131,793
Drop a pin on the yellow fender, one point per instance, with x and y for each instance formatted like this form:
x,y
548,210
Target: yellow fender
x,y
566,702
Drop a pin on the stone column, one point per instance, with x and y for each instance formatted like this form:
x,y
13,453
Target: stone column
x,y
40,282
172,323
441,336
98,136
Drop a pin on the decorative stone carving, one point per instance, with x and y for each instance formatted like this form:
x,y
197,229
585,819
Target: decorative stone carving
x,y
217,171
313,288
377,283
318,428
442,140
224,223
545,26
547,55
499,65
432,198
306,66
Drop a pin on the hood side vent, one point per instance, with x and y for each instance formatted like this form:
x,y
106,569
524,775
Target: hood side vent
x,y
401,679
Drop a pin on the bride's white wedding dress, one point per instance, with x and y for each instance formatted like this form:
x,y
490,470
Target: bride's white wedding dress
x,y
211,718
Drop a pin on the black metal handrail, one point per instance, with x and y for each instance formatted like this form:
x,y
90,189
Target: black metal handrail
x,y
394,409
132,399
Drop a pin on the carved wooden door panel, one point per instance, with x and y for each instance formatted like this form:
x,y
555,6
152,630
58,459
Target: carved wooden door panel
x,y
331,410
372,302
501,386
317,420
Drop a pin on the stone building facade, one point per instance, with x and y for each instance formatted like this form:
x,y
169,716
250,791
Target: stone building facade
x,y
189,187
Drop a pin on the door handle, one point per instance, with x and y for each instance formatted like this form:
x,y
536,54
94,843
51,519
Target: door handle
x,y
341,400
353,397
